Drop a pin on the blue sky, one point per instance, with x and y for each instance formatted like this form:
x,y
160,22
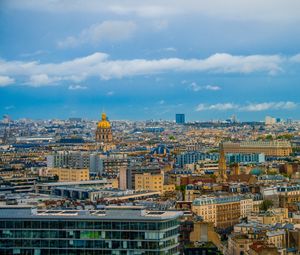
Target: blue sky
x,y
143,60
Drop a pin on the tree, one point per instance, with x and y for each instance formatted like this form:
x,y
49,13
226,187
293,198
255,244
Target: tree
x,y
171,137
265,205
269,137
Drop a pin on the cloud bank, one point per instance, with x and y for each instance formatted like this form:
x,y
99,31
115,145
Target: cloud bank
x,y
250,107
99,65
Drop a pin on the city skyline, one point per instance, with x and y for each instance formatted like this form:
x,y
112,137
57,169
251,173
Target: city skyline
x,y
150,60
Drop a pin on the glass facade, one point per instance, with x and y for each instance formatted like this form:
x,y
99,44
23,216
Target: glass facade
x,y
44,235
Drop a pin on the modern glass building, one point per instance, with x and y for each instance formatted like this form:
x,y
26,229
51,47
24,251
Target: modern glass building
x,y
180,118
192,157
116,230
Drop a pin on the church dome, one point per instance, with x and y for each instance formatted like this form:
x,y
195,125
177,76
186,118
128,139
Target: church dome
x,y
103,123
256,171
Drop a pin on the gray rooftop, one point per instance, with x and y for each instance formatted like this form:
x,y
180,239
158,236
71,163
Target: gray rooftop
x,y
108,213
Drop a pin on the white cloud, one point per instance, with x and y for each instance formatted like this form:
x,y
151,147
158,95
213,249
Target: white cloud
x,y
269,106
5,81
195,87
250,107
99,65
77,87
217,107
110,93
40,80
170,49
212,87
295,58
110,30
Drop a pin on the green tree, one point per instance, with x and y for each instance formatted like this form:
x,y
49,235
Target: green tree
x,y
269,137
266,205
171,137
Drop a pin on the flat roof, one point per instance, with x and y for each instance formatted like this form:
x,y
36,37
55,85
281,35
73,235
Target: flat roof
x,y
128,213
73,183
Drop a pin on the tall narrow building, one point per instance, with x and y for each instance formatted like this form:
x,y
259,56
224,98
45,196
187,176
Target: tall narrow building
x,y
222,164
104,132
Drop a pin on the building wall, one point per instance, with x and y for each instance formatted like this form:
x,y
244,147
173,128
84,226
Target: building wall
x,y
149,181
168,187
277,238
227,214
238,245
123,178
76,159
273,148
207,212
223,212
123,233
246,207
70,175
104,135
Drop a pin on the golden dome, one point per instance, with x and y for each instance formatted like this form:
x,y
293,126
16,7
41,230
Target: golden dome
x,y
103,123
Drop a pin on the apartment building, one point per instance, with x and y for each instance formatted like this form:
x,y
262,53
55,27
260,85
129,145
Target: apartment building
x,y
223,211
69,174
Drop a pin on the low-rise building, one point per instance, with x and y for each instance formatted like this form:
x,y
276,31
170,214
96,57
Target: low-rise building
x,y
223,211
147,181
69,174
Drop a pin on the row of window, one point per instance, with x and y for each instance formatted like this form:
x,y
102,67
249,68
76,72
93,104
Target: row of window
x,y
97,225
103,244
75,251
87,234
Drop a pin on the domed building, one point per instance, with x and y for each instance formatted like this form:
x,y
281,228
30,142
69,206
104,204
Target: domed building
x,y
256,171
161,149
103,132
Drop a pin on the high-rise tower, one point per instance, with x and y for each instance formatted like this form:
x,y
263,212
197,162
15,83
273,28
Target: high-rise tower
x,y
180,118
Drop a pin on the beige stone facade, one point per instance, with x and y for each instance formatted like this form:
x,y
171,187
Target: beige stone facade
x,y
69,174
148,181
272,148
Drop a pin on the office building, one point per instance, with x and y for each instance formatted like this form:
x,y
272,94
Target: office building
x,y
180,118
113,230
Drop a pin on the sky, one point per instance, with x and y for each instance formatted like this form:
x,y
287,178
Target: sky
x,y
141,60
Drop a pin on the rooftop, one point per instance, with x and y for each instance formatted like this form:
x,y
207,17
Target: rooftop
x,y
108,213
